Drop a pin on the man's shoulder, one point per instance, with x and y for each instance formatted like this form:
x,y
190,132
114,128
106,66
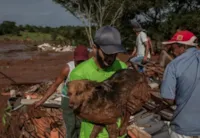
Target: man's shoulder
x,y
142,34
181,62
70,62
119,64
81,70
184,57
82,66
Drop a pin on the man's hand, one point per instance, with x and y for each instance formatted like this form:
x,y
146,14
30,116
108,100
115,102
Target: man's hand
x,y
38,103
131,56
144,59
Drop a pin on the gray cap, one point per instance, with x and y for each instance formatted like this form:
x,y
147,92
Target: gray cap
x,y
109,40
136,26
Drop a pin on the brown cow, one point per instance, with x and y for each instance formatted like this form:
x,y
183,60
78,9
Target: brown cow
x,y
103,103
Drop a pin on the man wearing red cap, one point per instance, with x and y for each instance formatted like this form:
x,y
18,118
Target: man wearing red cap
x,y
80,54
181,85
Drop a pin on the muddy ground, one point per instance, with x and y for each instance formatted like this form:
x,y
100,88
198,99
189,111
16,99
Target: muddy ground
x,y
32,66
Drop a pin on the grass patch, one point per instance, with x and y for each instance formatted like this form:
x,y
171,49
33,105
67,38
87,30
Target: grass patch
x,y
35,36
31,36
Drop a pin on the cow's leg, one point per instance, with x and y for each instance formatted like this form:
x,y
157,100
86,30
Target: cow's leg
x,y
96,130
124,124
112,130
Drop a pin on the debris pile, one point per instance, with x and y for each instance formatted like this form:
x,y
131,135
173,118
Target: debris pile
x,y
21,119
48,47
154,70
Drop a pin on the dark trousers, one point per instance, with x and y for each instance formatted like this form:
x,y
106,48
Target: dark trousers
x,y
72,123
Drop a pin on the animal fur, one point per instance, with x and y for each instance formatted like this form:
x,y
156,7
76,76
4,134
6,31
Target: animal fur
x,y
123,94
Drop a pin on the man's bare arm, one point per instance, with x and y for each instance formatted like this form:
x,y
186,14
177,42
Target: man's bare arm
x,y
151,46
134,52
54,86
146,50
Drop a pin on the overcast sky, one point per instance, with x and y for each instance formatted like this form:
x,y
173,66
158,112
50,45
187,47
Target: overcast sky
x,y
36,12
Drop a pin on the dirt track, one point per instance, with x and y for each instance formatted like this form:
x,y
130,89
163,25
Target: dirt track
x,y
40,68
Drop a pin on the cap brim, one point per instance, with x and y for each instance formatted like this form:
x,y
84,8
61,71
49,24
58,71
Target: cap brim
x,y
113,49
179,42
168,42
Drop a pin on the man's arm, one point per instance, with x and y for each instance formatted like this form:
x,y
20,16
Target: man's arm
x,y
146,44
144,40
151,46
64,72
134,52
168,87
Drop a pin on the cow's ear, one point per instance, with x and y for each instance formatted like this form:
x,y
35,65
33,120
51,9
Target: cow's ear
x,y
89,85
104,87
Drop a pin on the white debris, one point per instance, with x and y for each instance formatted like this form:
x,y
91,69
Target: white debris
x,y
45,47
12,93
33,88
59,48
153,85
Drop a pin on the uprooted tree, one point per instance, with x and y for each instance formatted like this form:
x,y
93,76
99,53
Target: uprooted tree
x,y
94,13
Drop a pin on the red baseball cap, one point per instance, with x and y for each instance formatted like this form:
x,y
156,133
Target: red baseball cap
x,y
183,37
81,53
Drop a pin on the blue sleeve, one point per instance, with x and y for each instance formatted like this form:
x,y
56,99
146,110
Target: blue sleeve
x,y
168,86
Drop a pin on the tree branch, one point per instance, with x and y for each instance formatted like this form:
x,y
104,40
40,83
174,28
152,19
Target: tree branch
x,y
118,14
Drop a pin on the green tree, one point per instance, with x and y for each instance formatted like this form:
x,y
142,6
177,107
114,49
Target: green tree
x,y
8,27
53,36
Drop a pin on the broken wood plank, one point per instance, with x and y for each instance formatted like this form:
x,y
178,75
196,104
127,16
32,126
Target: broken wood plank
x,y
138,132
26,83
32,101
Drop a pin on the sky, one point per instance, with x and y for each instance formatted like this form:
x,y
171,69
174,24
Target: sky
x,y
36,12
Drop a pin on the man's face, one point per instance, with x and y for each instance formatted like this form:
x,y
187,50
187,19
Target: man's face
x,y
177,49
103,59
77,62
168,47
134,30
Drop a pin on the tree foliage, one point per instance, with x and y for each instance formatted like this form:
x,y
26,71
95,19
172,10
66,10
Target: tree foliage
x,y
94,13
160,18
61,35
8,27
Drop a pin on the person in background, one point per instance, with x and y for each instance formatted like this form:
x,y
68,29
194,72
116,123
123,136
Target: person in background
x,y
107,44
141,53
181,85
150,46
166,55
80,54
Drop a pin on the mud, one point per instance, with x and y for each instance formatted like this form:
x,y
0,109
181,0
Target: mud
x,y
32,66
